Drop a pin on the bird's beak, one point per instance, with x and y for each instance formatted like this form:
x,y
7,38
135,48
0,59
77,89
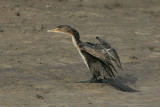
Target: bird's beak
x,y
53,30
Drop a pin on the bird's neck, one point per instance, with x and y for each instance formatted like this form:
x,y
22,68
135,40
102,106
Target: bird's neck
x,y
76,39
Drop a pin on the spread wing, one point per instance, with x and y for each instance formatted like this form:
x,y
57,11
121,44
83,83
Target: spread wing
x,y
98,52
113,55
104,43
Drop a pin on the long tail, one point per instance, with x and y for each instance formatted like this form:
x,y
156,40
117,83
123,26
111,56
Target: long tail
x,y
116,83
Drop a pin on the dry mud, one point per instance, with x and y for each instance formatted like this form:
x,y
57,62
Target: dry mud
x,y
40,69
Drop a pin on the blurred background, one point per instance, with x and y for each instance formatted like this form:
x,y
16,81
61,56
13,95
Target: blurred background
x,y
44,69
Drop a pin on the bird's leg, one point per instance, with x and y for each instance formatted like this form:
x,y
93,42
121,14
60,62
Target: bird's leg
x,y
94,80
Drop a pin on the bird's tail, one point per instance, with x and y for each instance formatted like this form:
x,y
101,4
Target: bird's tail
x,y
116,83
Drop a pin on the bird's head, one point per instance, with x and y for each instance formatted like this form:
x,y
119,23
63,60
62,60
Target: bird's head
x,y
65,29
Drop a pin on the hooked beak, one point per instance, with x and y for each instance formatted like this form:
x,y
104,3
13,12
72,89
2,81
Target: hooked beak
x,y
53,30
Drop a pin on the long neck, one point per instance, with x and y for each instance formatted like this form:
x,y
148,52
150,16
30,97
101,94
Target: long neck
x,y
75,38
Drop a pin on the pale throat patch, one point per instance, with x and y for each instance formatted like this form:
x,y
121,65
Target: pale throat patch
x,y
74,42
83,57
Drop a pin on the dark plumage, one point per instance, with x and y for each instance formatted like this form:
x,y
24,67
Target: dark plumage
x,y
98,58
111,52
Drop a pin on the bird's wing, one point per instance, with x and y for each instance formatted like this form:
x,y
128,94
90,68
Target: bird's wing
x,y
113,55
104,43
97,52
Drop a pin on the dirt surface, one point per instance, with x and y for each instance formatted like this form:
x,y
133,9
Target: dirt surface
x,y
40,69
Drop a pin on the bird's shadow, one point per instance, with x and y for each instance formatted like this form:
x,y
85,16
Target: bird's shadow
x,y
125,79
89,82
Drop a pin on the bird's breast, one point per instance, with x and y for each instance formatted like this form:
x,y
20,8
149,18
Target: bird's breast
x,y
84,58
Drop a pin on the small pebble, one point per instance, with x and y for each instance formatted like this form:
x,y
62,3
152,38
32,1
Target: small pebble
x,y
133,57
17,14
1,30
39,96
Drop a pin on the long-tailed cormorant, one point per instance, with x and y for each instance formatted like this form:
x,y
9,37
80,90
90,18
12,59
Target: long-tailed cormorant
x,y
98,57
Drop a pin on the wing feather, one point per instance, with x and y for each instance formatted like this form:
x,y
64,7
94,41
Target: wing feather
x,y
98,53
113,55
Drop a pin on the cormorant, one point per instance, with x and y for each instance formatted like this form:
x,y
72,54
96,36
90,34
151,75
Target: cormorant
x,y
98,57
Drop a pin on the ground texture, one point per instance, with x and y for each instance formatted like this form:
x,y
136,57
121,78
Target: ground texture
x,y
40,69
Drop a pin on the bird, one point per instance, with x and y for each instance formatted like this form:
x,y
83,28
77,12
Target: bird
x,y
98,57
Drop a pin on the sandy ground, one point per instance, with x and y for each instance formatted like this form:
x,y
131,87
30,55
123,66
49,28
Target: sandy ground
x,y
40,69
